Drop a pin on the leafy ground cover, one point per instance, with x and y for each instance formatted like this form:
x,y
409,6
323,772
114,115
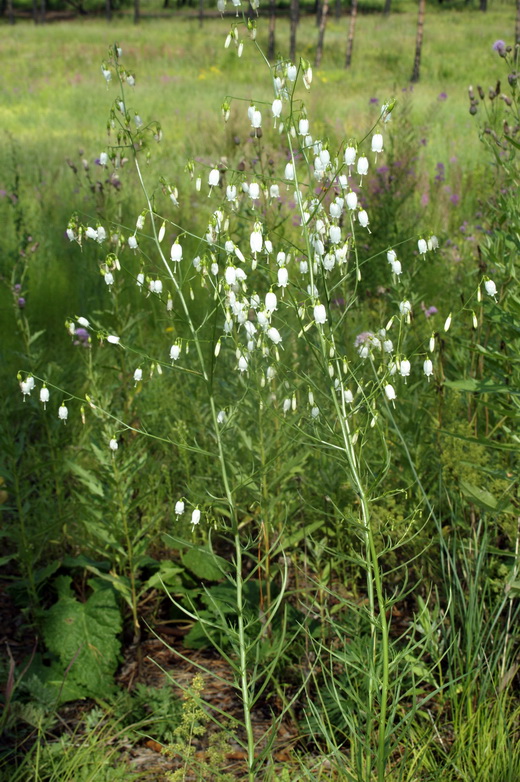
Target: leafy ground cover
x,y
279,428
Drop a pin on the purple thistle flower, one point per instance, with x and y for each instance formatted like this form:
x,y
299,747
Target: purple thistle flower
x,y
374,100
499,46
21,302
442,96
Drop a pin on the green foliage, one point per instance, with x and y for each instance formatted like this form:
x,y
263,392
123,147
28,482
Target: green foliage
x,y
83,639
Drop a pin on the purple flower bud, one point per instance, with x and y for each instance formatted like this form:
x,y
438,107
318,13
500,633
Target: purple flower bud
x,y
21,302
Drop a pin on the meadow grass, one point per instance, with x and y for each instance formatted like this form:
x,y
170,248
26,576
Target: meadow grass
x,y
287,463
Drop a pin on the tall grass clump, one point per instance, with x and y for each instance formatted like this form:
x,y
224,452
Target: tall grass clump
x,y
255,334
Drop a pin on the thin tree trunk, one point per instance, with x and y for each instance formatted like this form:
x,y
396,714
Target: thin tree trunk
x,y
321,33
338,10
295,18
137,12
108,10
388,4
35,11
351,31
483,5
10,14
42,11
517,25
317,12
271,46
419,41
201,13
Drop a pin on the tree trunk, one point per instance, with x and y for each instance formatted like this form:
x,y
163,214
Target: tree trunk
x,y
108,10
351,31
321,33
295,18
137,12
483,5
10,14
388,4
35,11
338,10
419,41
201,13
271,46
42,11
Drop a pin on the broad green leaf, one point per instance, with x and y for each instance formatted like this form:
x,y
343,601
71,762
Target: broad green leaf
x,y
480,497
204,564
83,636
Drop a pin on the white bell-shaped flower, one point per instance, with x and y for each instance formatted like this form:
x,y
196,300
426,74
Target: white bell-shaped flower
x,y
271,301
350,156
320,313
283,277
351,200
377,142
390,392
274,335
362,166
176,252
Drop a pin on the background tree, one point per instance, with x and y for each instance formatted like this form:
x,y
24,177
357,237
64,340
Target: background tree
x,y
295,18
137,12
321,32
271,45
419,41
351,31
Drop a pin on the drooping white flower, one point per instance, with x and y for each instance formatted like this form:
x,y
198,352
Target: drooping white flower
x,y
230,275
391,256
422,246
254,191
113,444
63,412
221,417
397,268
195,517
109,278
256,119
320,313
491,288
390,392
283,277
447,323
103,159
377,142
405,307
138,375
286,405
428,368
83,322
44,396
350,156
132,242
351,200
256,241
176,252
289,172
362,166
113,339
276,108
274,335
363,218
242,363
335,234
274,191
292,72
231,192
25,388
271,301
175,352
303,126
214,177
404,367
